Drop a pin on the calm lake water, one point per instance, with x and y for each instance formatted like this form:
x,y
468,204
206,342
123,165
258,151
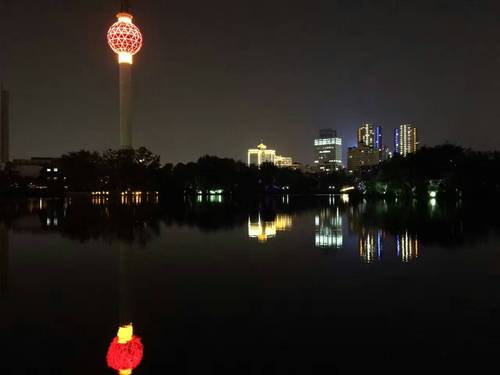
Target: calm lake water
x,y
289,285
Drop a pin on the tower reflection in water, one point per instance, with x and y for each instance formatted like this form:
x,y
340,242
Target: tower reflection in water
x,y
4,259
370,245
407,247
266,229
328,229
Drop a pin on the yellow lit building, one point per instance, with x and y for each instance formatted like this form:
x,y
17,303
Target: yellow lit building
x,y
370,135
283,161
261,154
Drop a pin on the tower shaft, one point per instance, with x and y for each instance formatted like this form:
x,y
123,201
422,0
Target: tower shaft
x,y
4,126
125,105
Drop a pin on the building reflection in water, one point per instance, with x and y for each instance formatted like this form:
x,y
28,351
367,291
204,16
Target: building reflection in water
x,y
328,229
370,245
407,247
212,198
134,198
100,200
264,230
285,199
331,200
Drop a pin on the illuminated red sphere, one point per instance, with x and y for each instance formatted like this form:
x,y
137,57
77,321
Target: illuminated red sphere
x,y
126,356
124,36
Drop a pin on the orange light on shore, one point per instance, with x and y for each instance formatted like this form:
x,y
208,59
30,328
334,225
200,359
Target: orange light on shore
x,y
124,38
125,351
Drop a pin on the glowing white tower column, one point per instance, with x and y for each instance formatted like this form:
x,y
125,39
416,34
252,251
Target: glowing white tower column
x,y
125,40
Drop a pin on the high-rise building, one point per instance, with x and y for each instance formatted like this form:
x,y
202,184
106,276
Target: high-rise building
x,y
370,150
362,157
370,135
328,149
4,126
405,139
261,154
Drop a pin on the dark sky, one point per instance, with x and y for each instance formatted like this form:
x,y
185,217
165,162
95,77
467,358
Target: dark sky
x,y
217,76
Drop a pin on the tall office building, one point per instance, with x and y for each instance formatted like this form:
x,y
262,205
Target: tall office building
x,y
4,126
370,135
328,149
405,140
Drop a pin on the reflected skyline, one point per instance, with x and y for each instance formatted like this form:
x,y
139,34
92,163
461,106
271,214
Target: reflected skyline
x,y
405,226
370,246
407,247
152,264
328,228
264,230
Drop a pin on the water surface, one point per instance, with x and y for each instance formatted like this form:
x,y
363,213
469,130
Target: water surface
x,y
279,286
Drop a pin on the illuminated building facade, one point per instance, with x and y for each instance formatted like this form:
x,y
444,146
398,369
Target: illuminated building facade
x,y
369,151
370,135
125,39
264,230
362,157
261,154
4,127
283,161
405,140
328,151
328,229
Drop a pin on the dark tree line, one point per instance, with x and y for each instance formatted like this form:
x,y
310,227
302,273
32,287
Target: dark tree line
x,y
141,170
447,170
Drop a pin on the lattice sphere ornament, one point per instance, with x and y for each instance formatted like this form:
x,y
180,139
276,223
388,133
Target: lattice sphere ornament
x,y
124,37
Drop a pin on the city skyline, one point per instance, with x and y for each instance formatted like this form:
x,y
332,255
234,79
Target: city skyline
x,y
197,85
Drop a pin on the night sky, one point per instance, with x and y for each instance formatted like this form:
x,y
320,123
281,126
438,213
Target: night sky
x,y
217,77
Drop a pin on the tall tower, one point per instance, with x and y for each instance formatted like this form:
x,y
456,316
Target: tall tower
x,y
4,126
125,39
